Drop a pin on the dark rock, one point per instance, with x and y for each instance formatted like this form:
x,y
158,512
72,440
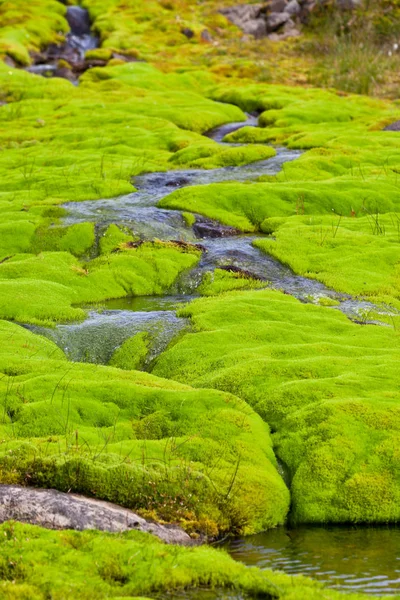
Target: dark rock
x,y
348,4
243,272
393,126
188,246
65,73
178,182
57,510
213,229
189,33
78,20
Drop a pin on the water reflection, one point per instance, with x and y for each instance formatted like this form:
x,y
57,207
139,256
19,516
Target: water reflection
x,y
346,558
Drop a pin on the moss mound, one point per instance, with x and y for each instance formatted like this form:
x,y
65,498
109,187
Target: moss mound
x,y
328,388
97,565
200,457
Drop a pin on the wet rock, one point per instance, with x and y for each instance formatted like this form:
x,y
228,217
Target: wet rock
x,y
57,510
243,272
393,126
213,229
43,70
78,20
178,182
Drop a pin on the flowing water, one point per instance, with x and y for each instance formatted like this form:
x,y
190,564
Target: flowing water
x,y
106,329
95,339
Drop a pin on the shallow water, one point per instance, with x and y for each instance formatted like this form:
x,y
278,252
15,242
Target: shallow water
x,y
345,558
141,303
218,133
139,210
95,339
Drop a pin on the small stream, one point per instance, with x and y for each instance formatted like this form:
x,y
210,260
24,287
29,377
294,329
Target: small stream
x,y
107,326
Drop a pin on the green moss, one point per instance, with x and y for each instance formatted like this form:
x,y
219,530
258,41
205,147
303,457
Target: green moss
x,y
189,218
132,353
328,388
200,457
113,238
26,27
212,156
99,565
221,281
77,239
63,280
98,54
354,255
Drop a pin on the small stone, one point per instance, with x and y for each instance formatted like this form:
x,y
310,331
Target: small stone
x,y
189,33
10,62
206,36
393,126
275,20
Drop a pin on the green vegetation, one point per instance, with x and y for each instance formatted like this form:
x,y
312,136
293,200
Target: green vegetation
x,y
354,255
132,353
35,563
200,457
25,280
30,27
327,387
259,376
221,281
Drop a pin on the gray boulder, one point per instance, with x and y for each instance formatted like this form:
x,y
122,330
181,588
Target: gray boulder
x,y
57,510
